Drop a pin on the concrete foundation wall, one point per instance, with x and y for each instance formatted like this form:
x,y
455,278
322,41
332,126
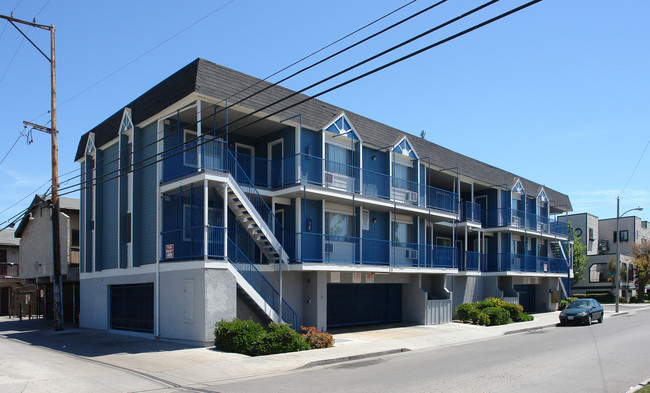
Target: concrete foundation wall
x,y
414,300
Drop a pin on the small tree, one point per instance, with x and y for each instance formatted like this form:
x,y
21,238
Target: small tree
x,y
641,252
580,257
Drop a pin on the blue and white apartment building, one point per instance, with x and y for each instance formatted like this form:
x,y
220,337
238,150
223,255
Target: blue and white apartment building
x,y
198,208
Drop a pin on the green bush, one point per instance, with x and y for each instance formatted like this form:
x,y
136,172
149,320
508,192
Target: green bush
x,y
607,297
645,296
498,316
490,302
525,317
238,336
280,339
563,304
473,315
634,299
483,319
515,310
463,311
250,338
316,339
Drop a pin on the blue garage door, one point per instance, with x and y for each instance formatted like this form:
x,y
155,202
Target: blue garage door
x,y
358,304
132,307
526,297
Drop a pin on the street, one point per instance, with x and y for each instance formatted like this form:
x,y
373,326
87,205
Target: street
x,y
600,358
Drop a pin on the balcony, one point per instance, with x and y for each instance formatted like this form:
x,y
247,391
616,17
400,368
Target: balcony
x,y
188,244
507,262
525,220
319,248
9,270
472,261
211,154
471,212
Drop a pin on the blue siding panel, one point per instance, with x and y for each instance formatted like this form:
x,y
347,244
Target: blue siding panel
x,y
107,202
312,245
311,144
144,197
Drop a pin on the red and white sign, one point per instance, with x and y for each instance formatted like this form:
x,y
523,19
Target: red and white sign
x,y
169,251
370,278
356,278
545,267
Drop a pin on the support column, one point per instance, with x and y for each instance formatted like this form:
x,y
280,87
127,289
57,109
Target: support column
x,y
206,228
199,147
225,221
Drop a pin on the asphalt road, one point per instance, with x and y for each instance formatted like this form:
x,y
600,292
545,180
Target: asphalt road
x,y
608,357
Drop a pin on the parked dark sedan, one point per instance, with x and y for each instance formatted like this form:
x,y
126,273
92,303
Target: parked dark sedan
x,y
582,311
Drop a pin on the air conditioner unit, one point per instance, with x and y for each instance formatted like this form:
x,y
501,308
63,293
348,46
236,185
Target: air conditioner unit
x,y
412,254
329,178
329,247
412,197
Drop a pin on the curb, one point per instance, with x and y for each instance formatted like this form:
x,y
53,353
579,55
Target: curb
x,y
530,329
639,386
616,314
353,357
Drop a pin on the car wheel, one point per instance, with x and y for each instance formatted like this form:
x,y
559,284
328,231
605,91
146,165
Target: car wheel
x,y
588,320
600,320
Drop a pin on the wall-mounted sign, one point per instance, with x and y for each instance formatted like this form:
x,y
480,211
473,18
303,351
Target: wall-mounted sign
x,y
356,278
335,277
169,251
370,278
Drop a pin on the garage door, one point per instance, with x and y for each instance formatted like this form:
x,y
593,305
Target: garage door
x,y
357,304
132,307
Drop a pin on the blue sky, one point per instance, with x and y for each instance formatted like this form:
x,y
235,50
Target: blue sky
x,y
557,93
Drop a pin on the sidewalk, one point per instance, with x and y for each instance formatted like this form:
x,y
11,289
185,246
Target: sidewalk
x,y
176,364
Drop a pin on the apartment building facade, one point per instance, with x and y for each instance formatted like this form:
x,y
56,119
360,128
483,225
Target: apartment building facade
x,y
197,207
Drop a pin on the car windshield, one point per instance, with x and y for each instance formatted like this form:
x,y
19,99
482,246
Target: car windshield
x,y
579,304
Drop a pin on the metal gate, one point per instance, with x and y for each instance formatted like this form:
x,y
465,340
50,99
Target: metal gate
x,y
132,307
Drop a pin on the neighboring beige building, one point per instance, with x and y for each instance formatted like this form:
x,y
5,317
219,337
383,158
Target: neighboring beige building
x,y
601,241
9,273
36,267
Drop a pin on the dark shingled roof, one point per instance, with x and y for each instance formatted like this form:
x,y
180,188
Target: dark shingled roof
x,y
216,81
66,205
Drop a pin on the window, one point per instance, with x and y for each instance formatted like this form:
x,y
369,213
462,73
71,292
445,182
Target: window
x,y
3,255
614,236
128,227
599,272
591,234
517,203
74,238
339,160
624,236
338,224
443,241
403,232
578,232
403,176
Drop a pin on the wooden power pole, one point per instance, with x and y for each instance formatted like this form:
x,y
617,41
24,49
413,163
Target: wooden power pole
x,y
57,285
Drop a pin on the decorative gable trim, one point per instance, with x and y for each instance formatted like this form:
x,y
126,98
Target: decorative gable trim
x,y
343,126
518,187
90,144
542,196
405,148
126,125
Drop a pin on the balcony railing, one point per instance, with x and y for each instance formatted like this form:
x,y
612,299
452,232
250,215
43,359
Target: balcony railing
x,y
319,248
472,261
525,220
507,262
211,154
187,243
9,270
472,212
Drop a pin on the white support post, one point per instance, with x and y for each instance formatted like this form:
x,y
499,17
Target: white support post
x,y
199,147
472,199
206,228
225,220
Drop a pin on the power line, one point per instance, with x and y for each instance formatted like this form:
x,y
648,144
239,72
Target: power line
x,y
130,168
635,167
451,21
142,55
313,65
11,148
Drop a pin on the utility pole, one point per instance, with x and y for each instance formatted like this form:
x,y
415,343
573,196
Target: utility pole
x,y
56,245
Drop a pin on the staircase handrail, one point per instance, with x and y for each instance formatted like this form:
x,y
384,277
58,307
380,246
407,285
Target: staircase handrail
x,y
263,281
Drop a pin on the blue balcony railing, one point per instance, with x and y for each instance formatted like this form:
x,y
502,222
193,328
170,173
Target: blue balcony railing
x,y
471,212
472,261
524,220
506,262
187,243
320,248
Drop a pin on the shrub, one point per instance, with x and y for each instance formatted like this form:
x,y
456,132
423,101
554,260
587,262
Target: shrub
x,y
607,297
490,302
473,315
525,317
514,310
634,299
497,316
250,338
463,311
316,339
280,339
482,319
238,336
645,296
563,304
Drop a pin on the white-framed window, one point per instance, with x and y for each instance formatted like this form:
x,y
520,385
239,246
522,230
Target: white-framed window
x,y
403,232
190,157
338,224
